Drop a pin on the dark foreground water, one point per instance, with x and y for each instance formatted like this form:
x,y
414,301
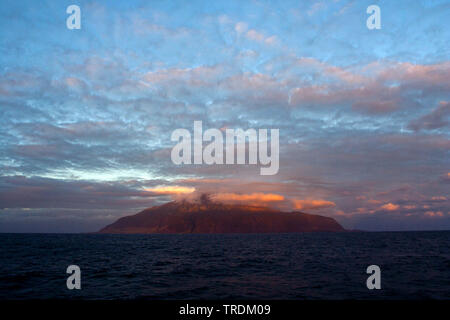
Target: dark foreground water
x,y
414,265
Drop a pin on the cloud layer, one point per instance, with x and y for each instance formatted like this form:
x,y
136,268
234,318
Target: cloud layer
x,y
86,116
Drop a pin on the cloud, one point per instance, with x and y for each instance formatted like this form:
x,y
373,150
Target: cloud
x,y
437,119
44,193
260,37
171,190
79,122
434,214
375,88
253,198
312,204
390,207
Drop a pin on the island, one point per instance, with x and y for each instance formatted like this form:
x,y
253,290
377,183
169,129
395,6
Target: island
x,y
184,217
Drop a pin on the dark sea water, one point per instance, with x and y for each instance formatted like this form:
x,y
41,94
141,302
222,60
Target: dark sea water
x,y
414,265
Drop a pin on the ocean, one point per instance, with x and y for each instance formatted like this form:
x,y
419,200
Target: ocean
x,y
414,265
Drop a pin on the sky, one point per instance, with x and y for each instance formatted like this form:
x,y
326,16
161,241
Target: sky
x,y
86,115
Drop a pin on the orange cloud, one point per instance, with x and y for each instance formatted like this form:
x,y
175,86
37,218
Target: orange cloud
x,y
312,204
434,214
171,190
390,207
253,197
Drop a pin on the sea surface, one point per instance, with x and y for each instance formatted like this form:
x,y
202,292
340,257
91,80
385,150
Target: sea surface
x,y
414,265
